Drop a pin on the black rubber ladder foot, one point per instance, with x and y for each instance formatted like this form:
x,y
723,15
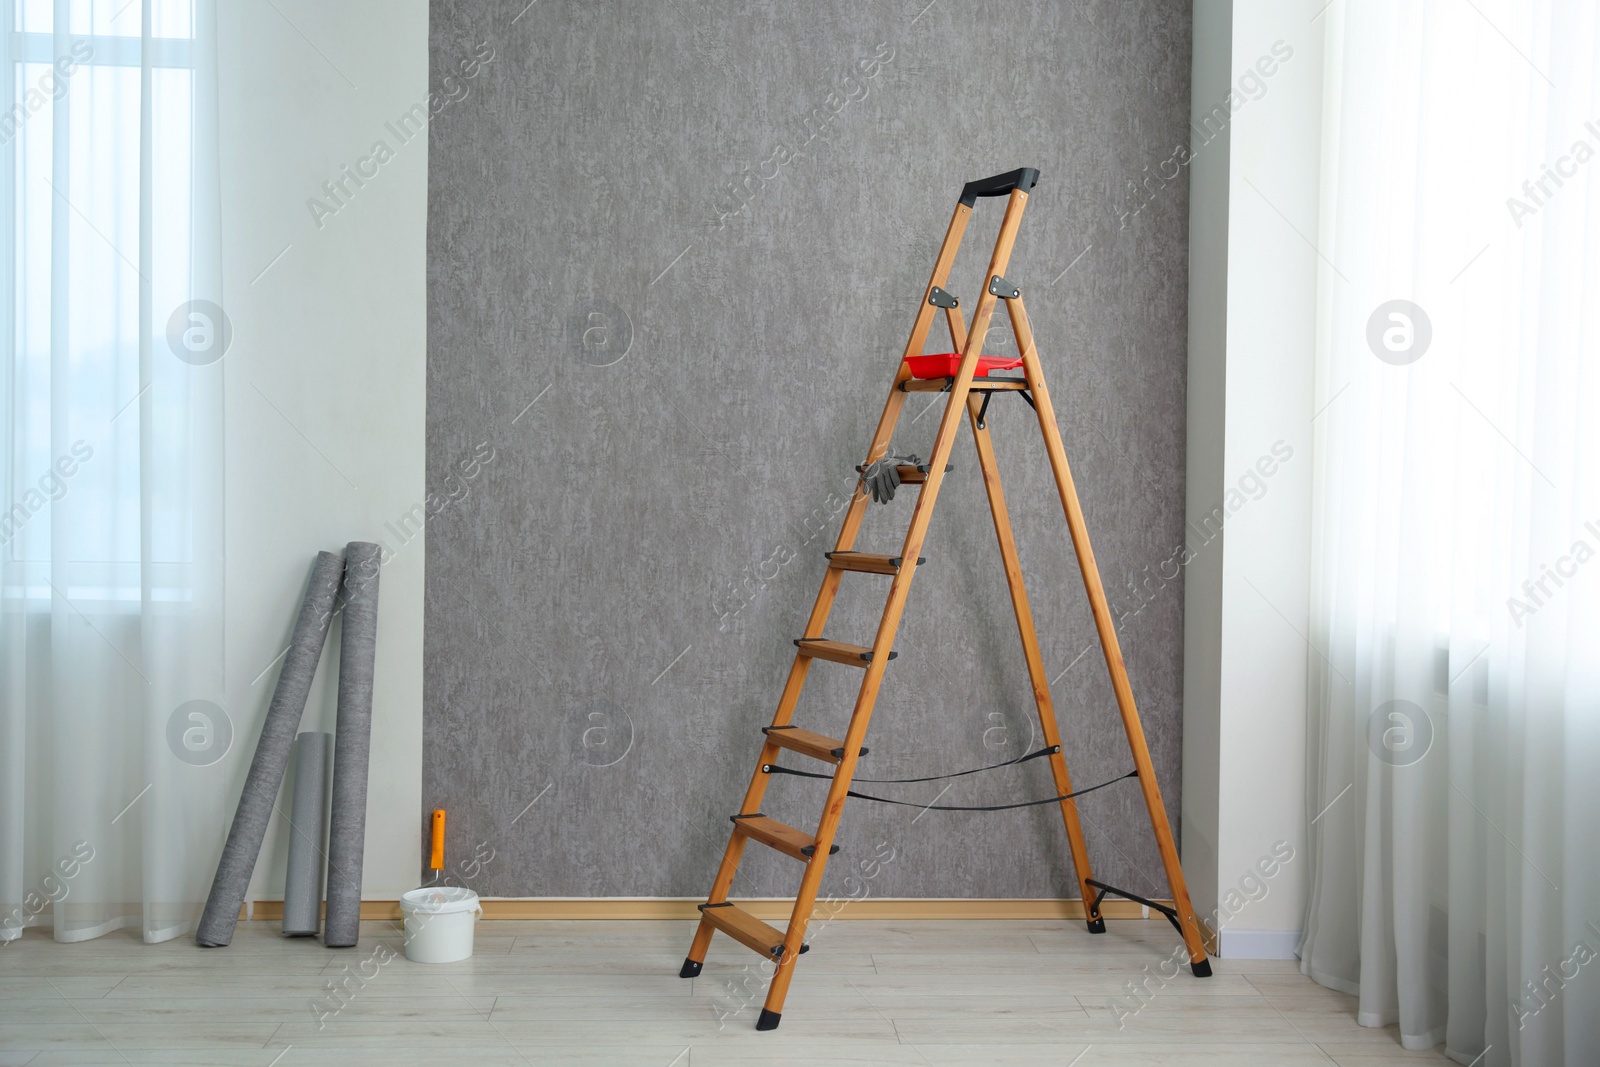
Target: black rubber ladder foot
x,y
768,1020
691,969
1097,925
1201,969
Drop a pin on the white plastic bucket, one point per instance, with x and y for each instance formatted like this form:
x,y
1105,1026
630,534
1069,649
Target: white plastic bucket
x,y
439,922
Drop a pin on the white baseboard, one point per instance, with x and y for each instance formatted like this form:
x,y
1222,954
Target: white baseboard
x,y
773,910
1259,944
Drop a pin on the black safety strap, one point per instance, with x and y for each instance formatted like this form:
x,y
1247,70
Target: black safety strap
x,y
773,768
1049,750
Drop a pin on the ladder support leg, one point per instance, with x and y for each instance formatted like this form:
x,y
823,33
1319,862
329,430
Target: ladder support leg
x,y
899,589
721,885
1051,732
820,611
1106,627
944,443
833,806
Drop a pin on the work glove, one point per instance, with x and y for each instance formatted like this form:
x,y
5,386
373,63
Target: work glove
x,y
881,478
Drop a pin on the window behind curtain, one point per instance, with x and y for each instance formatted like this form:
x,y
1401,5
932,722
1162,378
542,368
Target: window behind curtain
x,y
77,401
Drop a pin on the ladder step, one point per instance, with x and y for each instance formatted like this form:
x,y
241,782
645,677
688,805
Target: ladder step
x,y
939,385
918,475
837,651
785,839
868,562
807,743
747,929
914,475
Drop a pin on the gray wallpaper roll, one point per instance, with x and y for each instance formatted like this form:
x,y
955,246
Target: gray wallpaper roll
x,y
347,825
261,785
302,882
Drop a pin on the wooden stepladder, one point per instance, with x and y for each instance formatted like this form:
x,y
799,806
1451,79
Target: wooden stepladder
x,y
969,395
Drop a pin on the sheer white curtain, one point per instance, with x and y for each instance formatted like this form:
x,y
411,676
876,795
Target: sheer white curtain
x,y
111,539
1455,763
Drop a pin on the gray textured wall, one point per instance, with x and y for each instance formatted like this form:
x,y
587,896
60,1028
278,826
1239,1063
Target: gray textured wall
x,y
609,610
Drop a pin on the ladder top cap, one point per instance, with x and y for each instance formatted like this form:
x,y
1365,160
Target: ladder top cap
x,y
1000,185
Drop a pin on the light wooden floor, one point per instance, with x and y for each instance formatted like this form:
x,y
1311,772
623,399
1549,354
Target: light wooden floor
x,y
929,993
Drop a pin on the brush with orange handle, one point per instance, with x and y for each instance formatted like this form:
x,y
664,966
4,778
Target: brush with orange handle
x,y
436,853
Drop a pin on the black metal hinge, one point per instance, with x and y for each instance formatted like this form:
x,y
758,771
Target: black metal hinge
x,y
1003,289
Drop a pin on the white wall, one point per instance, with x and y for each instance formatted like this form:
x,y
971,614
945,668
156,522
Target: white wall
x,y
325,376
1253,206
